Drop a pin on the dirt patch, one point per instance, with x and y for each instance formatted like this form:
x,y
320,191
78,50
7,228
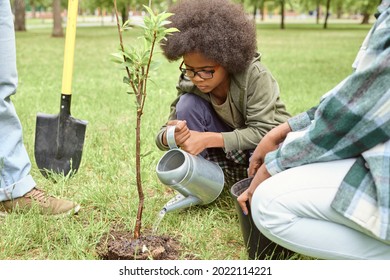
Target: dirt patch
x,y
121,245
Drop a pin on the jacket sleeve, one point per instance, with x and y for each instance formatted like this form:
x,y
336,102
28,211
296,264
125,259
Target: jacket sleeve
x,y
264,110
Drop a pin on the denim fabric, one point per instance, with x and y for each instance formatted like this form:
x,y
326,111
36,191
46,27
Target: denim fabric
x,y
199,114
15,164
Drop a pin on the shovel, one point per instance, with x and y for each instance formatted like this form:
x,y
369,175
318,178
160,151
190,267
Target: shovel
x,y
59,139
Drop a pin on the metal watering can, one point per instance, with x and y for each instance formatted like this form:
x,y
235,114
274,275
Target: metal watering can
x,y
197,180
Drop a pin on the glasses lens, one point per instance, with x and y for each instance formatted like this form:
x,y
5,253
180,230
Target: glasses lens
x,y
203,74
189,73
206,74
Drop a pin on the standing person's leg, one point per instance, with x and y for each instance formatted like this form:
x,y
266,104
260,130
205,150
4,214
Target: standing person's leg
x,y
293,209
14,161
17,187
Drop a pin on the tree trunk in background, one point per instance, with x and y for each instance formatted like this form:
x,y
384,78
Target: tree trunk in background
x,y
33,11
282,2
125,13
327,14
20,15
367,9
318,11
262,12
366,18
57,19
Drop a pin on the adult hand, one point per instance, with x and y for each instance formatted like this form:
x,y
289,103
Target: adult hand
x,y
268,143
261,175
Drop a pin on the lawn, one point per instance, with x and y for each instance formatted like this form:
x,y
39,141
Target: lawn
x,y
306,60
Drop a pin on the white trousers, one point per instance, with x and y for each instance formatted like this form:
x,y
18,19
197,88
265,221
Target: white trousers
x,y
293,209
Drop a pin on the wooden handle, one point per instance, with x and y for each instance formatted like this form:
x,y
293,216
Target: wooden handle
x,y
70,39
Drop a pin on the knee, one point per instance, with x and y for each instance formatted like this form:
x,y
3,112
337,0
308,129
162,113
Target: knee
x,y
259,205
268,212
190,104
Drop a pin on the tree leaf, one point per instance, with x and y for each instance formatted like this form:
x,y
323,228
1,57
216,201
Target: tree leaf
x,y
126,80
146,154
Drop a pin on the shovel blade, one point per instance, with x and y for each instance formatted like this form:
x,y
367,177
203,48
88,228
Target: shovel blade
x,y
56,155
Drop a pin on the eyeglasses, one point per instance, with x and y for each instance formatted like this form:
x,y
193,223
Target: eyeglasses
x,y
204,74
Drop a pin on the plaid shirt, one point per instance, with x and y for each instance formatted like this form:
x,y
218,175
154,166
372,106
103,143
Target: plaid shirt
x,y
353,121
234,163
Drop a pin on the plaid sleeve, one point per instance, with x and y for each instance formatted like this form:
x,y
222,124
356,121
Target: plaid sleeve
x,y
352,119
301,120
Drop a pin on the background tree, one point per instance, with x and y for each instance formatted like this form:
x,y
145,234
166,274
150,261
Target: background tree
x,y
33,6
338,8
327,13
261,8
20,15
368,7
57,30
282,14
312,5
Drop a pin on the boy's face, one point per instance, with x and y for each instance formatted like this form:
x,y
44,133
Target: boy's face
x,y
215,76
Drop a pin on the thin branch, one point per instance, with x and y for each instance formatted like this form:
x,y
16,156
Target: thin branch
x,y
123,48
148,67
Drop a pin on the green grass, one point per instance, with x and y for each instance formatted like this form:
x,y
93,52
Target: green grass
x,y
306,60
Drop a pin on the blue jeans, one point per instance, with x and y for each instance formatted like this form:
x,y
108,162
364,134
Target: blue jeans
x,y
15,165
199,114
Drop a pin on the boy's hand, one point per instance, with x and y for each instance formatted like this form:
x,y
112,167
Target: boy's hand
x,y
182,133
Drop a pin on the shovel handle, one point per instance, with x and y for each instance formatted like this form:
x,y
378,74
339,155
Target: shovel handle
x,y
70,38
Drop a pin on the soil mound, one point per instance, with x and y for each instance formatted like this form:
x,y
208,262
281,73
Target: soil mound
x,y
121,245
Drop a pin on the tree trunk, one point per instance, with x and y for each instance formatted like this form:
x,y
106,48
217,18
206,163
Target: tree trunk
x,y
327,14
33,11
57,19
125,13
20,15
262,12
339,10
366,18
282,4
318,11
138,222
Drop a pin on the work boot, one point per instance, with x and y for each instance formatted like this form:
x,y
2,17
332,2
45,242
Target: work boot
x,y
45,204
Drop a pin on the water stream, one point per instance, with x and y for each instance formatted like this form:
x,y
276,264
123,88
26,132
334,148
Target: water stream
x,y
160,217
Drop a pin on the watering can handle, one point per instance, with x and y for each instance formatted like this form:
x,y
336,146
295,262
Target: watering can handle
x,y
171,137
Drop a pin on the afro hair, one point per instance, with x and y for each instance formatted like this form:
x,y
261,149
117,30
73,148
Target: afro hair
x,y
218,29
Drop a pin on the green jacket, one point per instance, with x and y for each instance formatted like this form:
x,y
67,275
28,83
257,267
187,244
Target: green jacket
x,y
255,93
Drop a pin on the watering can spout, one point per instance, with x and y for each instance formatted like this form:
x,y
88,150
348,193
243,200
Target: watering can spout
x,y
180,202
